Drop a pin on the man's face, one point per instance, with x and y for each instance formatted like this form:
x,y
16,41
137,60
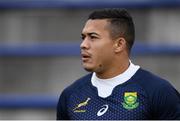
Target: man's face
x,y
97,46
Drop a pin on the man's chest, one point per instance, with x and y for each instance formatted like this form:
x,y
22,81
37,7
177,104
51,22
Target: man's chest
x,y
122,104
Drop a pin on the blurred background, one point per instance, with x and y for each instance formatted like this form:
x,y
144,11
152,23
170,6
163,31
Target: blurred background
x,y
39,48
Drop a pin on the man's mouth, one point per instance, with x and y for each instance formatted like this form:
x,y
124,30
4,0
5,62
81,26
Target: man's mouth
x,y
85,56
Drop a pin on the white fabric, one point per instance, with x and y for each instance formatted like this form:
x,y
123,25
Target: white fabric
x,y
106,86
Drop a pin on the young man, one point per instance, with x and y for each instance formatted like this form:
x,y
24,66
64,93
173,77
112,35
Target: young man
x,y
116,89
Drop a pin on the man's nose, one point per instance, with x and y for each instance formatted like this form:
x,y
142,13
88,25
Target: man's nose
x,y
84,44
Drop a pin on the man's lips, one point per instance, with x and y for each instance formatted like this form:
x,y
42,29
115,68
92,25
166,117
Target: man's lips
x,y
85,56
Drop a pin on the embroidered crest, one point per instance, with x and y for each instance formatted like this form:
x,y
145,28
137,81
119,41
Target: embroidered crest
x,y
130,100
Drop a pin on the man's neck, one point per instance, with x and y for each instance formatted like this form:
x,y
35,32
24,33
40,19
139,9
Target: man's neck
x,y
114,70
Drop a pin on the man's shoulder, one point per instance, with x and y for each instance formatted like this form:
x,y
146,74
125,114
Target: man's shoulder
x,y
78,84
152,83
147,78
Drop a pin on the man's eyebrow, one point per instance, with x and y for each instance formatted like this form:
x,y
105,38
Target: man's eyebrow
x,y
90,33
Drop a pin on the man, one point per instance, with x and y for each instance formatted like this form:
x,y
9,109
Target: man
x,y
116,89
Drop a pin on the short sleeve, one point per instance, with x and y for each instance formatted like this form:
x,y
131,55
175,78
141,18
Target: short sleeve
x,y
166,103
61,107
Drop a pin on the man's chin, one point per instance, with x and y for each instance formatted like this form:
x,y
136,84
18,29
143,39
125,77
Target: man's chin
x,y
89,69
92,68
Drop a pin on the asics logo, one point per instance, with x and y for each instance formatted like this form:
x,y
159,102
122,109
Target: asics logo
x,y
103,110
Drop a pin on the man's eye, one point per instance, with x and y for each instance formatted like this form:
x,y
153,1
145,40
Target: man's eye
x,y
82,37
93,37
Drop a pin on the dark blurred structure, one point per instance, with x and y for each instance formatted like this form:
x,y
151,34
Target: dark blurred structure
x,y
39,48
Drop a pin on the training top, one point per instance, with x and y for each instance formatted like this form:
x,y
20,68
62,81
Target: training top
x,y
143,96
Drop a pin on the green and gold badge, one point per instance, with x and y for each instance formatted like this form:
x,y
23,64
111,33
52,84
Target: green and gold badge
x,y
130,100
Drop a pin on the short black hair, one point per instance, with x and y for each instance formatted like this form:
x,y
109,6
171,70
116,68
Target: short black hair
x,y
121,23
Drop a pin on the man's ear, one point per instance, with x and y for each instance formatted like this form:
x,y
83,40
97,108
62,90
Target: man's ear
x,y
119,45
